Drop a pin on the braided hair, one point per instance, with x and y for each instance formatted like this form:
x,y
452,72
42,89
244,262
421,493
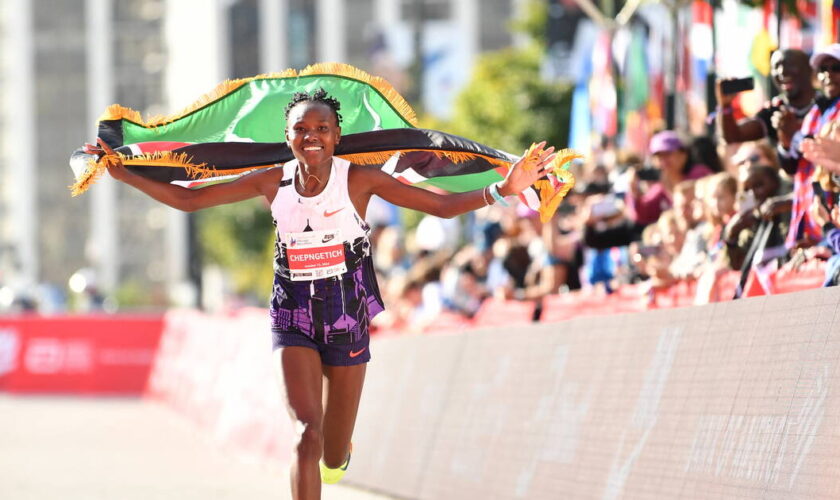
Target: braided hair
x,y
320,95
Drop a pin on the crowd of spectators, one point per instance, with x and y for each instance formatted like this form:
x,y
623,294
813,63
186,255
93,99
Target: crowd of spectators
x,y
757,196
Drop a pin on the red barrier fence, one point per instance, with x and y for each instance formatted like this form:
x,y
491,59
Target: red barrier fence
x,y
594,301
638,298
79,355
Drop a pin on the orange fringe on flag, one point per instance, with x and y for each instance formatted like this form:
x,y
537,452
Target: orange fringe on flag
x,y
94,172
117,112
162,159
380,157
552,192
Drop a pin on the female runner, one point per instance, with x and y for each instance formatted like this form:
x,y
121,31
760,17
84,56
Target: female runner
x,y
325,290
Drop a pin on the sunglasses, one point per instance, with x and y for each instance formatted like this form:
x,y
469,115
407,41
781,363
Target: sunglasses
x,y
829,68
753,158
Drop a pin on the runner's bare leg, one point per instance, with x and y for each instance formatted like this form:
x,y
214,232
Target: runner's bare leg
x,y
342,392
300,368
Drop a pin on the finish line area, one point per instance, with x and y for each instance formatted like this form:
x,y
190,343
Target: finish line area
x,y
736,399
130,449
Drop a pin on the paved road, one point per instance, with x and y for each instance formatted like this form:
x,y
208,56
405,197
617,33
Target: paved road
x,y
127,449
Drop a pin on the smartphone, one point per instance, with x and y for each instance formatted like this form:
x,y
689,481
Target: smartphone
x,y
736,85
605,208
649,250
746,202
649,174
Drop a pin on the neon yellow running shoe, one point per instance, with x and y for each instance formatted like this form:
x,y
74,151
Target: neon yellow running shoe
x,y
332,476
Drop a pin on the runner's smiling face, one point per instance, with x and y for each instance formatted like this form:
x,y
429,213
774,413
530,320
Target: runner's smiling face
x,y
312,132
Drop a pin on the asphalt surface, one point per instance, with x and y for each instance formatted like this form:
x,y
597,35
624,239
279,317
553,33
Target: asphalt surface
x,y
99,448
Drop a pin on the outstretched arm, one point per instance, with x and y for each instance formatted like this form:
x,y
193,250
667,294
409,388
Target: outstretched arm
x,y
374,181
189,200
733,131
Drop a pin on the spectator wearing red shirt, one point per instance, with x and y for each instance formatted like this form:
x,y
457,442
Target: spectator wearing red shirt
x,y
671,159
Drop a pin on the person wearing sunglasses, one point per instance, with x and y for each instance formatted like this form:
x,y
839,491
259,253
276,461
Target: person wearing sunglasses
x,y
804,231
792,76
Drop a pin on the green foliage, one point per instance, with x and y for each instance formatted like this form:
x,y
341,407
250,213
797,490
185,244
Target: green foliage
x,y
507,105
240,239
790,7
135,295
534,22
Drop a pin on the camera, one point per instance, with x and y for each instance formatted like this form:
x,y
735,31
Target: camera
x,y
649,174
729,87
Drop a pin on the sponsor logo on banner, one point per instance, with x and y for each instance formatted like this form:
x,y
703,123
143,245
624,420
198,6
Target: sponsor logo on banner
x,y
49,355
9,347
44,355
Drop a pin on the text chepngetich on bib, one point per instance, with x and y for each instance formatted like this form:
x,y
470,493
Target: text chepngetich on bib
x,y
315,255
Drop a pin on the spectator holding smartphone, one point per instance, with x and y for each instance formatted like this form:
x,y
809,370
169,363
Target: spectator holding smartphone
x,y
671,158
791,74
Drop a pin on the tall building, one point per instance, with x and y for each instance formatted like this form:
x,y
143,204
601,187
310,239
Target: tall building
x,y
46,114
61,63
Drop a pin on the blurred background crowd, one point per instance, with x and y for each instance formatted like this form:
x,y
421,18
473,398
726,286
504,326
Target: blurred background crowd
x,y
704,167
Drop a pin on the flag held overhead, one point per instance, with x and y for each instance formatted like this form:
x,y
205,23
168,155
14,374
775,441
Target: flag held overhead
x,y
240,127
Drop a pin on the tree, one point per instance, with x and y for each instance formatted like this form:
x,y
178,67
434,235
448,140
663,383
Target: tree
x,y
506,103
239,238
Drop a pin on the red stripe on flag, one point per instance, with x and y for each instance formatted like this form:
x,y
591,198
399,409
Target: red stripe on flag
x,y
151,147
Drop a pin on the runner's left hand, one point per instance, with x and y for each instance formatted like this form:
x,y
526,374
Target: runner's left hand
x,y
519,177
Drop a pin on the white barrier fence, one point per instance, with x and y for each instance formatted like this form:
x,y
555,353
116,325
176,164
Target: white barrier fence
x,y
731,400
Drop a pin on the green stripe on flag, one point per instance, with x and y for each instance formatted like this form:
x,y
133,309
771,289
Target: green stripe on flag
x,y
463,183
255,112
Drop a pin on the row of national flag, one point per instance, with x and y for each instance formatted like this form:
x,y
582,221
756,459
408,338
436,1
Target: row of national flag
x,y
626,74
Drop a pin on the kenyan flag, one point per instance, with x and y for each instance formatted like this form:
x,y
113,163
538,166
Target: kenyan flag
x,y
239,127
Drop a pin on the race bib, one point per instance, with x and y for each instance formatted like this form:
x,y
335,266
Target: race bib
x,y
315,254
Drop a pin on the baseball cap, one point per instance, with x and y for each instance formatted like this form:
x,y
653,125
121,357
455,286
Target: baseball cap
x,y
832,50
665,141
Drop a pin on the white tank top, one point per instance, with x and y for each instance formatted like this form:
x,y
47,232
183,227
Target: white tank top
x,y
328,210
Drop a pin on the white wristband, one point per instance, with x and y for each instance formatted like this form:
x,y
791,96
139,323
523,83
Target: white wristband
x,y
494,192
